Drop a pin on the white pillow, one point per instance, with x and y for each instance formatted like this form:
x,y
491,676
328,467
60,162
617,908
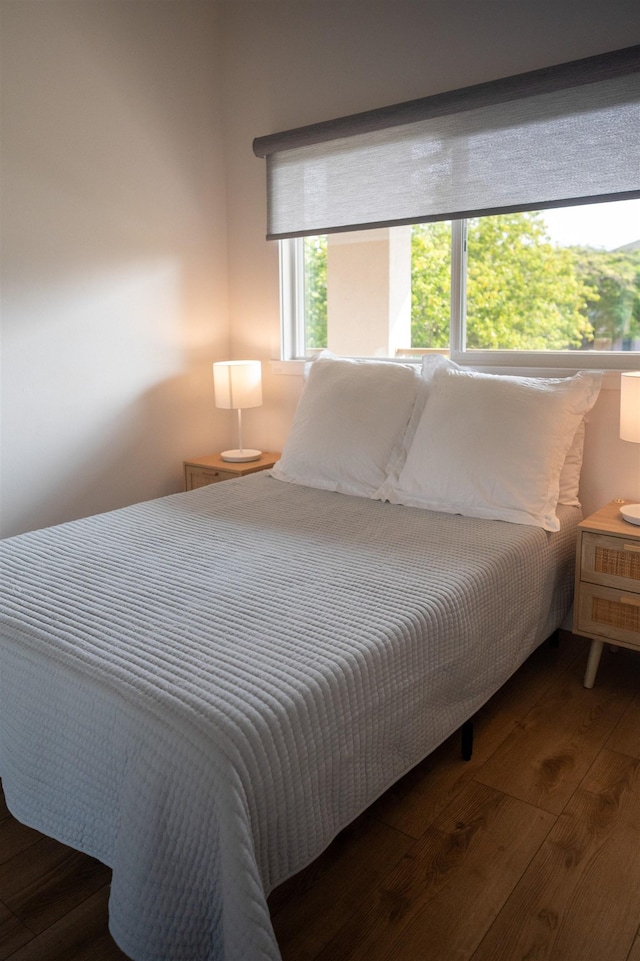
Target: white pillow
x,y
349,425
569,483
570,474
493,446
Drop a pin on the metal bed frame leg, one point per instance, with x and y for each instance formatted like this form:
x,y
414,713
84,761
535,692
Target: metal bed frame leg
x,y
466,740
466,731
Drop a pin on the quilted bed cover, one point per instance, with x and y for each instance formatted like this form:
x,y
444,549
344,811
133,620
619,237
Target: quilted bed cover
x,y
202,690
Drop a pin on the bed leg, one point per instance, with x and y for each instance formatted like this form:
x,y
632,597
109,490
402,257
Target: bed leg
x,y
466,740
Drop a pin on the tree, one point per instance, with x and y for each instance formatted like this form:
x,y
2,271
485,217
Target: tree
x,y
430,285
614,313
522,292
315,291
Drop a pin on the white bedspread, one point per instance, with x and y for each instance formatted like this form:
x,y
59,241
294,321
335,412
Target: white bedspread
x,y
202,690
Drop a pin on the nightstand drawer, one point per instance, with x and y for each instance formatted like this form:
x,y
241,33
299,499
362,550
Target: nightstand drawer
x,y
612,561
199,477
609,613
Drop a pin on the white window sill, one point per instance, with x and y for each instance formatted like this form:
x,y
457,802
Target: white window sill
x,y
610,378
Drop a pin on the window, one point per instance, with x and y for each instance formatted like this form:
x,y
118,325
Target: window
x,y
490,159
557,287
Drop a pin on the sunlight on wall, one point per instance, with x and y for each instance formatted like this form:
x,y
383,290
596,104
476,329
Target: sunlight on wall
x,y
114,253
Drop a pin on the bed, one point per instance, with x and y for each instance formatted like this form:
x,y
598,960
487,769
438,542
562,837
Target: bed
x,y
202,690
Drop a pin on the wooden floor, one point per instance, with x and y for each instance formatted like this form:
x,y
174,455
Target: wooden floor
x,y
531,850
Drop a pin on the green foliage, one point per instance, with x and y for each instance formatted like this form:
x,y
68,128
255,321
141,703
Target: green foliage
x,y
614,313
315,291
522,292
430,284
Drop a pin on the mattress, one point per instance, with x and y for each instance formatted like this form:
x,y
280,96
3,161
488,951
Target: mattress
x,y
203,690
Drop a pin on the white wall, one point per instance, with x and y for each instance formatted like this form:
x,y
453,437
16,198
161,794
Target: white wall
x,y
304,61
114,296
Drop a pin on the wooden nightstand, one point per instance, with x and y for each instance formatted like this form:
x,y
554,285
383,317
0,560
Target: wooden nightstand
x,y
212,469
607,597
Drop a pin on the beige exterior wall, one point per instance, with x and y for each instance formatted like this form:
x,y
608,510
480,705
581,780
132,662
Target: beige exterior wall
x,y
369,292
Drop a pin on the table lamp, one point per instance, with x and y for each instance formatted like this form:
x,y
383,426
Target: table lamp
x,y
630,427
238,384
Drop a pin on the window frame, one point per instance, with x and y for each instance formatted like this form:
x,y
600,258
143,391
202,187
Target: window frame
x,y
292,334
292,306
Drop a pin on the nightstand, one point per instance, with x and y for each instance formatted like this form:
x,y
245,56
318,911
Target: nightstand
x,y
607,595
212,469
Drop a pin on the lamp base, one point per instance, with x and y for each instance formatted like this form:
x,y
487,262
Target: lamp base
x,y
240,456
631,513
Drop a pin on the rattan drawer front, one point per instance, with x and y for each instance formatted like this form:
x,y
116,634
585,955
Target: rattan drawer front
x,y
613,561
610,613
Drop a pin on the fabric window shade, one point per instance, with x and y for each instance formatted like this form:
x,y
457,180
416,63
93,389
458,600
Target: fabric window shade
x,y
565,135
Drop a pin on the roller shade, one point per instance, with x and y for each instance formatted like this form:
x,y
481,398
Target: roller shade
x,y
564,135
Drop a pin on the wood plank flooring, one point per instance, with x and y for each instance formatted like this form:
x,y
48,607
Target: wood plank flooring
x,y
530,851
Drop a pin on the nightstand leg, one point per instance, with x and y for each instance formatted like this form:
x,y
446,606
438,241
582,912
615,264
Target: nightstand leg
x,y
593,662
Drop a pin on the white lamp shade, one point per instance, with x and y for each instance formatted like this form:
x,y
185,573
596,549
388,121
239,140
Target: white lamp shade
x,y
630,406
237,384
